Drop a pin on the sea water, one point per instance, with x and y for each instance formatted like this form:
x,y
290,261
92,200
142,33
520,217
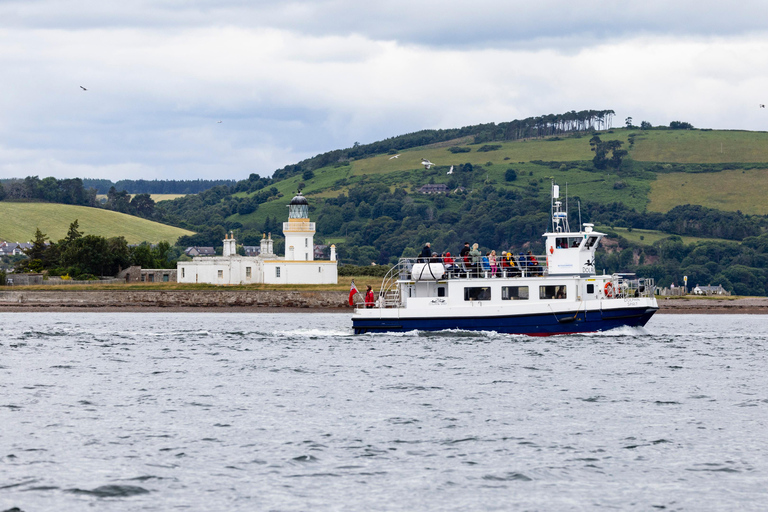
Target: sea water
x,y
284,412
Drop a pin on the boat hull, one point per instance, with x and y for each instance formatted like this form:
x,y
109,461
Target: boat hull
x,y
544,324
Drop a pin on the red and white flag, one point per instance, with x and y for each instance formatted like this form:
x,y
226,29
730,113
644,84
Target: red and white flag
x,y
352,293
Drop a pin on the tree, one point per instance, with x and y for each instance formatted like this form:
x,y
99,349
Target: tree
x,y
2,192
73,233
645,125
680,125
143,205
628,122
118,201
510,175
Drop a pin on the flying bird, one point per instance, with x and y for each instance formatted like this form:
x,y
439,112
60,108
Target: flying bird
x,y
83,88
450,171
426,163
218,121
762,106
395,156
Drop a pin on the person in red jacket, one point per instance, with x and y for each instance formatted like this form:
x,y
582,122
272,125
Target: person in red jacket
x,y
369,298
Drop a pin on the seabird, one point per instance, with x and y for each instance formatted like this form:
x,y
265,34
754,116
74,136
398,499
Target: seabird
x,y
83,88
218,121
450,171
426,163
762,105
397,155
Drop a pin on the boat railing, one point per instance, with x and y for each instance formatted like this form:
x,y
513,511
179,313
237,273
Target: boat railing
x,y
442,268
627,287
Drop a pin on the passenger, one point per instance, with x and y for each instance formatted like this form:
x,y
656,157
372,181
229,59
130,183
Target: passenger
x,y
492,261
486,263
523,260
435,258
464,254
475,257
533,264
450,264
560,292
369,298
426,253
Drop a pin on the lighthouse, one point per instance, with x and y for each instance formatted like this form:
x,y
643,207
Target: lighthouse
x,y
299,232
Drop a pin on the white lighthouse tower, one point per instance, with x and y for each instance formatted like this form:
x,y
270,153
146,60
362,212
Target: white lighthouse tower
x,y
299,232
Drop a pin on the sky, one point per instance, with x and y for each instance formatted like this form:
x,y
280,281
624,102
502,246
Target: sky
x,y
220,89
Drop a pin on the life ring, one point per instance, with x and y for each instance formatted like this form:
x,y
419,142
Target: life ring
x,y
608,290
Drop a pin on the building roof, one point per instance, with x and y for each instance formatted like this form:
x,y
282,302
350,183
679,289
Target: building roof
x,y
432,188
299,199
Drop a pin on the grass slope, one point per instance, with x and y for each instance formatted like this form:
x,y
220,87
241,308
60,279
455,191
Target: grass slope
x,y
21,219
700,146
726,190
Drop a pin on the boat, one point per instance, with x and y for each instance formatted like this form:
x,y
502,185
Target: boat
x,y
536,295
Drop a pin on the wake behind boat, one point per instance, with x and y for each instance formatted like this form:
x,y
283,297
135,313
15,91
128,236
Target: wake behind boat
x,y
537,295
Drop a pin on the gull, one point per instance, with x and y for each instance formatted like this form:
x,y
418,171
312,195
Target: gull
x,y
218,121
426,163
397,155
450,171
83,88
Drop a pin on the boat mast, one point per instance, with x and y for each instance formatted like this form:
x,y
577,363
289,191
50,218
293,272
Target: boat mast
x,y
559,217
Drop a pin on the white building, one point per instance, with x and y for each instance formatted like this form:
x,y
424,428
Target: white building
x,y
299,265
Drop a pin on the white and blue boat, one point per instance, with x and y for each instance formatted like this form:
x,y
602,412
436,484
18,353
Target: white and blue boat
x,y
537,295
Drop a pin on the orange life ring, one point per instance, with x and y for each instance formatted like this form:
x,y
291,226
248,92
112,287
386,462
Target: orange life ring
x,y
608,290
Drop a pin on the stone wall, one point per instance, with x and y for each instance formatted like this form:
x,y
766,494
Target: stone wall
x,y
175,298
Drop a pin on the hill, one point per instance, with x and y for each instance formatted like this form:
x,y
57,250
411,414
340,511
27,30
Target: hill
x,y
680,201
21,219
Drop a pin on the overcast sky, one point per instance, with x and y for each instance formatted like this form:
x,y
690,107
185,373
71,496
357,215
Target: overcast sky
x,y
291,79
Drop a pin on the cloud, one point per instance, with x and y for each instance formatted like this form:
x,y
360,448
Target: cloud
x,y
294,79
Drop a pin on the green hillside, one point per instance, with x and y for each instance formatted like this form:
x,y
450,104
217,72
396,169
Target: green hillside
x,y
684,201
21,219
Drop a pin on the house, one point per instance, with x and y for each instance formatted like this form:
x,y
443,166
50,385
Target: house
x,y
14,249
433,188
319,251
298,266
710,290
200,251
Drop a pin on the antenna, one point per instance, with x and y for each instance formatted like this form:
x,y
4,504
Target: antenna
x,y
580,215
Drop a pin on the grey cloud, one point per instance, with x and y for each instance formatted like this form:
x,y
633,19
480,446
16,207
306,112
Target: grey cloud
x,y
489,23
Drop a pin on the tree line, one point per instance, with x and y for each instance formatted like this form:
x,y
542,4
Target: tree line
x,y
156,186
88,256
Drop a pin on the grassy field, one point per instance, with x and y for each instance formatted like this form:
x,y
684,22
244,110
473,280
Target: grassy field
x,y
725,190
649,237
698,146
21,219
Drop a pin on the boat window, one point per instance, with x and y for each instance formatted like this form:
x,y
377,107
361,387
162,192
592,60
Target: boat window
x,y
441,291
514,293
477,293
567,242
590,288
552,292
590,242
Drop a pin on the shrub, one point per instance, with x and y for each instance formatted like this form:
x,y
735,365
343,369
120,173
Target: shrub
x,y
459,149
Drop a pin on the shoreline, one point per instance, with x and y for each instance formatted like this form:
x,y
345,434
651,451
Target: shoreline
x,y
275,301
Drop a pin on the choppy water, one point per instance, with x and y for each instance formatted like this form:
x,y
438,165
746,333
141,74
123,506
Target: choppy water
x,y
292,412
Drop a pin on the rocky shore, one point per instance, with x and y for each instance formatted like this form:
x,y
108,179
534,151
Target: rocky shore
x,y
274,300
194,300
